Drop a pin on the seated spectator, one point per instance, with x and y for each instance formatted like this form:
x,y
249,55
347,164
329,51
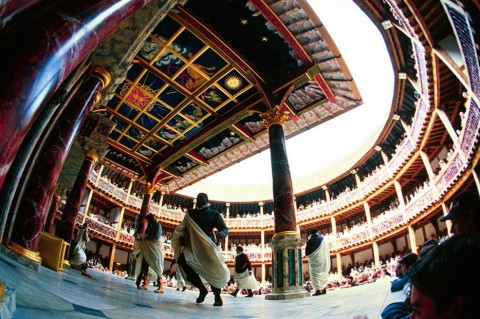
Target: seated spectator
x,y
445,283
427,247
401,310
403,264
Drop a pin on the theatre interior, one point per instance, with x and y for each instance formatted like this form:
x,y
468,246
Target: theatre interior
x,y
356,117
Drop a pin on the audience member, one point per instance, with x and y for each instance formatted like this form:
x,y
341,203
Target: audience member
x,y
403,265
445,283
464,214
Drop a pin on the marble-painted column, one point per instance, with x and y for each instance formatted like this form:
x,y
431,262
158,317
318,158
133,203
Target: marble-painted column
x,y
51,213
59,39
72,206
283,197
286,244
148,191
30,216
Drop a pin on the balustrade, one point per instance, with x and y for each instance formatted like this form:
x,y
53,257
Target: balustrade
x,y
470,131
421,201
403,152
372,182
380,226
358,234
450,173
387,222
135,201
101,229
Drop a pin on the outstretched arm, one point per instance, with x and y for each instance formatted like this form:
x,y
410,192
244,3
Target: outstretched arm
x,y
221,227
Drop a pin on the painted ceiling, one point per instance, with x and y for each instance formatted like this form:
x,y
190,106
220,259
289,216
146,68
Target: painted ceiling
x,y
191,100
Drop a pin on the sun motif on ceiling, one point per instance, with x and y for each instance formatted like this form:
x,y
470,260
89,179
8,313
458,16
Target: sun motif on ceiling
x,y
233,82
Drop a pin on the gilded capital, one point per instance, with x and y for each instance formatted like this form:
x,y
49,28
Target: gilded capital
x,y
92,156
274,116
101,74
149,189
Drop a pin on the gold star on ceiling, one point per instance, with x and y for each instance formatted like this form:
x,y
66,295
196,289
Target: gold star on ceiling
x,y
264,39
243,21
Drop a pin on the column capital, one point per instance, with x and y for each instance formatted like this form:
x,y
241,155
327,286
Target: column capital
x,y
102,74
261,204
92,156
149,189
274,116
227,204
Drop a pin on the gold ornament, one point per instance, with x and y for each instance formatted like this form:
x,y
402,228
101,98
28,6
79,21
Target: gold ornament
x,y
274,116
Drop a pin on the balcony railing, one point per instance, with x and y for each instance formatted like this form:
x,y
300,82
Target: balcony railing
x,y
421,201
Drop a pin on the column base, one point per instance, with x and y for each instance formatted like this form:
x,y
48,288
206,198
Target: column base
x,y
292,294
287,281
22,255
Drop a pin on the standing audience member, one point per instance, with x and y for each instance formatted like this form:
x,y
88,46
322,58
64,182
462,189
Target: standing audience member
x,y
196,250
150,253
243,274
317,251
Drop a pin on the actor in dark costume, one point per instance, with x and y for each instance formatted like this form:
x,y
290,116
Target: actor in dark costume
x,y
243,274
317,251
150,253
196,249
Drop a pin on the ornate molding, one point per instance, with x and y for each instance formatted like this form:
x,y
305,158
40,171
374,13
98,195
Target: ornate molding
x,y
149,189
286,234
92,156
102,74
274,116
24,252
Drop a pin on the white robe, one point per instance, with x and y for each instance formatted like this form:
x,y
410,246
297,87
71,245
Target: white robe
x,y
201,253
319,265
178,276
153,252
245,281
78,254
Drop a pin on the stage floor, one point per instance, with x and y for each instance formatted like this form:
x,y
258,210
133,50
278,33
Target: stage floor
x,y
49,294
